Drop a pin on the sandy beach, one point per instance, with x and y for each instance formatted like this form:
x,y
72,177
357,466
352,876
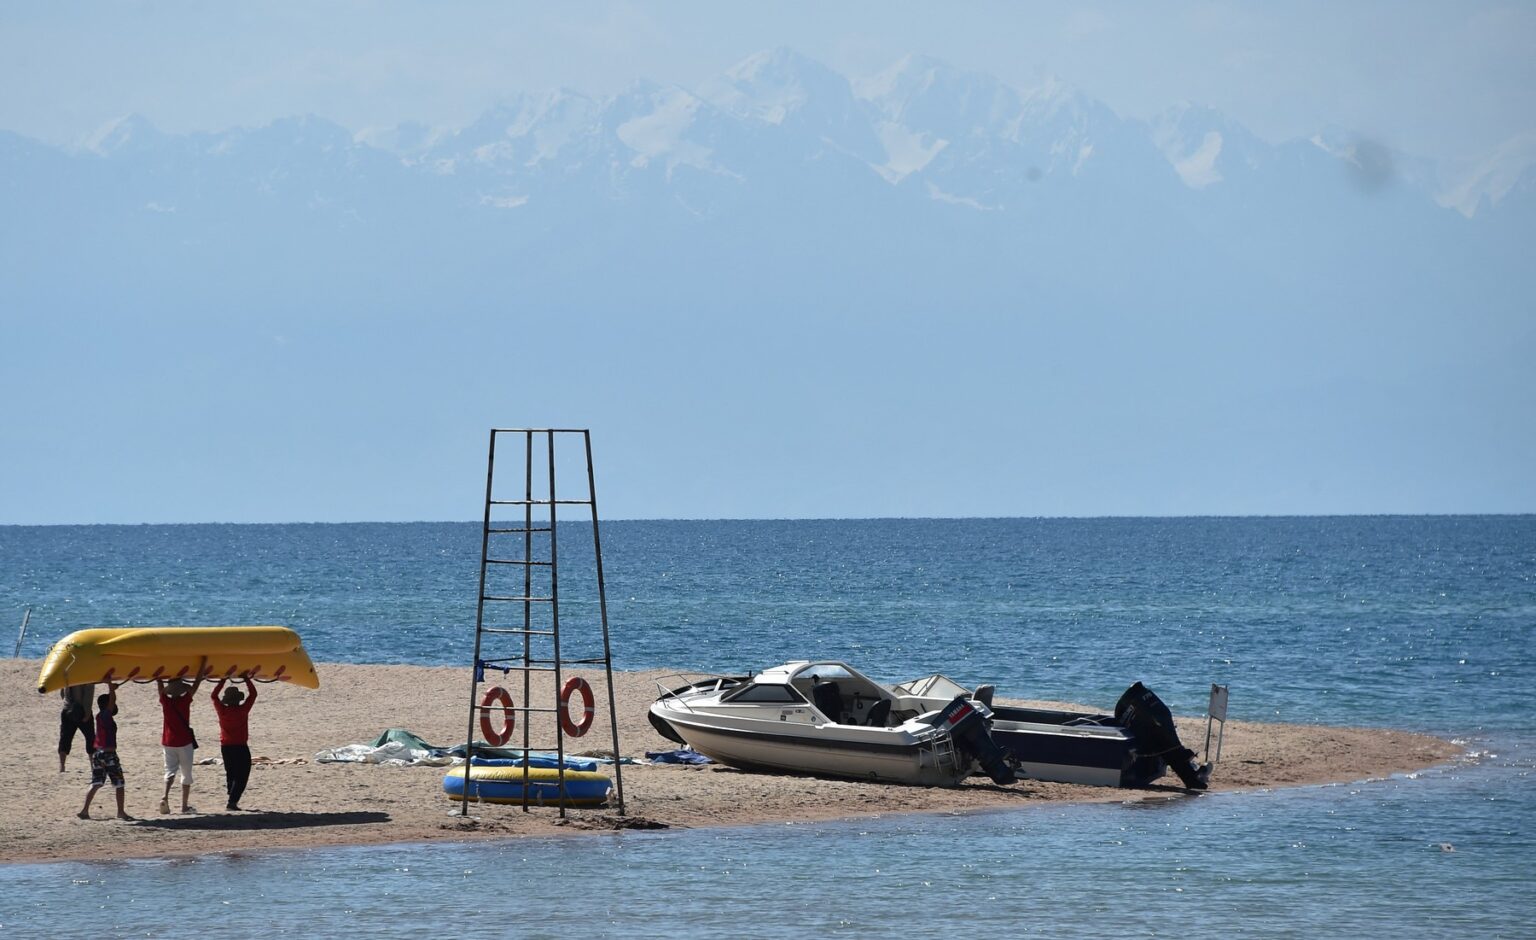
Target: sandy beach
x,y
295,802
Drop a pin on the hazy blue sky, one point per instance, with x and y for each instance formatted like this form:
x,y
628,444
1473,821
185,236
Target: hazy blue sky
x,y
1391,376
1448,80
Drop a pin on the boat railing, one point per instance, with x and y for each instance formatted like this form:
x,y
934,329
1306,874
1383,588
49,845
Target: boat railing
x,y
691,682
1097,721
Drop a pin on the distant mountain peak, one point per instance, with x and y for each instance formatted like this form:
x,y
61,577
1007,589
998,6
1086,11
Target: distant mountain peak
x,y
1191,137
406,140
517,116
773,85
774,65
1370,163
1510,168
916,80
128,131
1053,98
661,127
906,72
525,129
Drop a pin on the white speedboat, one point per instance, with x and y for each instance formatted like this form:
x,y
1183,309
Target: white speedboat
x,y
824,718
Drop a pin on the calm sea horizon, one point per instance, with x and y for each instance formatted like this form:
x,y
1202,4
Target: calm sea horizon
x,y
1424,623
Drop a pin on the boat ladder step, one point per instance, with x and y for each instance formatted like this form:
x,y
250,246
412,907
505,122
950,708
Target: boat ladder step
x,y
520,709
517,631
537,665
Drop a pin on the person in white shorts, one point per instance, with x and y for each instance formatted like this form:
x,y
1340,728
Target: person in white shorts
x,y
177,737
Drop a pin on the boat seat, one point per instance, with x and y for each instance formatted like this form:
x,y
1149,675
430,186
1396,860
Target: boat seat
x,y
829,700
879,713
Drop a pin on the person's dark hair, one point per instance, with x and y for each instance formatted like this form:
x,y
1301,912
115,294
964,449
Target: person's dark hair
x,y
103,700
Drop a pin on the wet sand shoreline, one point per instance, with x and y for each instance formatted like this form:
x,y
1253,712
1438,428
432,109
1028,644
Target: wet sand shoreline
x,y
294,802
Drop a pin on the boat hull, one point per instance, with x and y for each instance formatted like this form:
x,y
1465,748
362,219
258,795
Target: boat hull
x,y
886,755
141,654
1046,748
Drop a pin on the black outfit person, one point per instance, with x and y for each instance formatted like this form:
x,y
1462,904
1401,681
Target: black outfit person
x,y
76,716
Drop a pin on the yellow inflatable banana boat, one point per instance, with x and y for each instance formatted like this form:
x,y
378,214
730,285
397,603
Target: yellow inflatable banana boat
x,y
121,654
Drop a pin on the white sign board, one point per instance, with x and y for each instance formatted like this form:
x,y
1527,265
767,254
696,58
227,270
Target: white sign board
x,y
1218,709
1217,712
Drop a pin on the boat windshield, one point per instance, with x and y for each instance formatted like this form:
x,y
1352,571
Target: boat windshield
x,y
824,672
934,686
763,692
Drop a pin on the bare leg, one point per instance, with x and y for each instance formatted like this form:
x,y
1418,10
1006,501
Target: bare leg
x,y
85,812
61,761
165,799
121,813
186,793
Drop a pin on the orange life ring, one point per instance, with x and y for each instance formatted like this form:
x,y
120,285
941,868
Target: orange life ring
x,y
496,698
576,728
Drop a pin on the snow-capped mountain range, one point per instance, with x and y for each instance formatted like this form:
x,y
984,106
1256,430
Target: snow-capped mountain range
x,y
780,161
918,274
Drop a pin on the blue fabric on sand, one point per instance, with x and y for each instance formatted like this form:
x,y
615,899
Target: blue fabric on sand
x,y
680,756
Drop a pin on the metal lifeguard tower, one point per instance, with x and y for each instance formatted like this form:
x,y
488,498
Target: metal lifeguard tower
x,y
531,597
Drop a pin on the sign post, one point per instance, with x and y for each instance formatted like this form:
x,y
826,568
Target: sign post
x,y
23,634
1217,712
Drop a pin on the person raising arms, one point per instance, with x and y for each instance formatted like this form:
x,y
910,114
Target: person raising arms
x,y
104,762
75,715
176,736
234,736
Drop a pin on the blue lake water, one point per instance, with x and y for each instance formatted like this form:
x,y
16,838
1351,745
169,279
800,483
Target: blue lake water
x,y
1424,623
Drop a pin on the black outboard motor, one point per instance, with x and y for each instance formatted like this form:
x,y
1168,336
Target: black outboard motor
x,y
965,721
1145,716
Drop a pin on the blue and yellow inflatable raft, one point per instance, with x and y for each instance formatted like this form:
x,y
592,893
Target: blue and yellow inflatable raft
x,y
504,784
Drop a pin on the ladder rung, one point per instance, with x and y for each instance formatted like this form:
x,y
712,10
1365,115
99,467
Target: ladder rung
x,y
493,597
519,631
526,750
541,502
514,708
522,531
488,665
505,561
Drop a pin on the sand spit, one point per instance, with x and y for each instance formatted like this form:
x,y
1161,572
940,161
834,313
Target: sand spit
x,y
294,802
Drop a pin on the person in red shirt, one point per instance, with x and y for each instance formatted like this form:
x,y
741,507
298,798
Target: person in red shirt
x,y
176,737
235,736
104,762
